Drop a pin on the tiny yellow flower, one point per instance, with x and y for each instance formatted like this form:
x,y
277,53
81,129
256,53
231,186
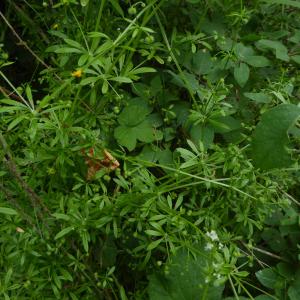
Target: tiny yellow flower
x,y
77,73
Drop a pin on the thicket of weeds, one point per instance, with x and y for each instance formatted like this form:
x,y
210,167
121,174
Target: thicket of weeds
x,y
149,149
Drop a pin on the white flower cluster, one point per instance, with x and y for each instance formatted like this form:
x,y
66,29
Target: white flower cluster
x,y
212,235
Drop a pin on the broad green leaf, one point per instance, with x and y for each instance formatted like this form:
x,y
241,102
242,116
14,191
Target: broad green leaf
x,y
125,137
270,137
296,59
242,52
257,61
267,277
296,37
144,132
294,291
224,124
8,211
202,62
203,134
132,115
185,279
258,97
63,232
185,80
241,73
281,52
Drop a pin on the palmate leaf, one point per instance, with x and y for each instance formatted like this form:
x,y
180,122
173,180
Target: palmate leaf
x,y
133,115
270,137
185,279
127,136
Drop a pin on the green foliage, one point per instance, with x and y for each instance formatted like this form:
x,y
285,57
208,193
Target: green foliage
x,y
186,277
270,137
153,138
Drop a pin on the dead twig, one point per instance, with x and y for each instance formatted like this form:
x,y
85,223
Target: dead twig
x,y
23,43
10,94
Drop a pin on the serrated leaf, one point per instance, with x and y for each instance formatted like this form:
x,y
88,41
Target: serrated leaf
x,y
270,137
241,73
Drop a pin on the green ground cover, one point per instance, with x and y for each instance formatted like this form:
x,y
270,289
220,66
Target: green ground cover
x,y
149,149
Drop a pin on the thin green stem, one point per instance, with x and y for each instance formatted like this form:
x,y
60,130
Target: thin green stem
x,y
17,92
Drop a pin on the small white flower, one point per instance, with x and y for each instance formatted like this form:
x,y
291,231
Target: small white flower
x,y
212,235
208,246
221,246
